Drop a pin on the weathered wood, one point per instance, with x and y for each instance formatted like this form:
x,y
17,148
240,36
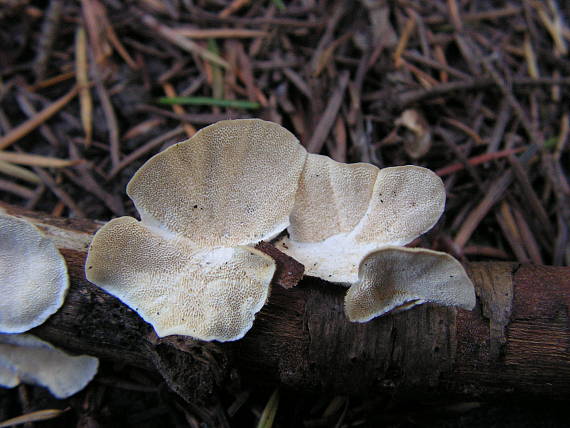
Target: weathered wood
x,y
288,272
517,339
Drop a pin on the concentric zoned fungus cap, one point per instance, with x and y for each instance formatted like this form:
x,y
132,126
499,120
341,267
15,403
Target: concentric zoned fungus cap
x,y
343,212
396,278
25,358
233,183
186,268
209,294
33,276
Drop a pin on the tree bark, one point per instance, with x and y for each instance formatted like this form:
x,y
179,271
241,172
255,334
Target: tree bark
x,y
516,340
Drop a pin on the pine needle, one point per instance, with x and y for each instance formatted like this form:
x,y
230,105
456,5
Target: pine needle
x,y
37,160
32,123
207,101
82,76
18,172
279,4
40,415
270,410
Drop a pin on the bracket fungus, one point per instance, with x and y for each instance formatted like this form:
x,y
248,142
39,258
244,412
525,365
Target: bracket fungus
x,y
33,276
395,279
189,266
25,358
345,211
349,224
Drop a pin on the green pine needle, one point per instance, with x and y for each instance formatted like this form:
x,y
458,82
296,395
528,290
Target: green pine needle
x,y
279,4
208,101
268,414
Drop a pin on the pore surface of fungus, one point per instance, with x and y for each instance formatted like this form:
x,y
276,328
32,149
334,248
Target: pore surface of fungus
x,y
179,289
343,212
395,279
187,267
33,276
25,358
233,183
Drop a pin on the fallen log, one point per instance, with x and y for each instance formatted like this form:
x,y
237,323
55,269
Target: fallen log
x,y
516,340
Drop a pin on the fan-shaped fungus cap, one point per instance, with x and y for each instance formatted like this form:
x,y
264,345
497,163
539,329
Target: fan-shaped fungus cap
x,y
25,358
209,294
186,268
395,279
33,276
344,212
331,198
233,183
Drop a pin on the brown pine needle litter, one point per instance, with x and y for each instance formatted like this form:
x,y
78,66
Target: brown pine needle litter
x,y
37,160
82,71
37,416
18,172
29,125
490,79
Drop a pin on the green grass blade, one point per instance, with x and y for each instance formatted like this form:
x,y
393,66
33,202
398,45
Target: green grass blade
x,y
217,72
279,4
208,101
268,415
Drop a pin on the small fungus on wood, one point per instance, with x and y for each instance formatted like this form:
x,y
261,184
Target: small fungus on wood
x,y
33,284
344,212
33,276
206,293
395,279
25,358
349,224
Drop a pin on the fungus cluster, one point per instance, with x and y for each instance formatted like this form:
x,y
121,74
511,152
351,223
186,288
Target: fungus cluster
x,y
189,267
349,224
343,212
33,285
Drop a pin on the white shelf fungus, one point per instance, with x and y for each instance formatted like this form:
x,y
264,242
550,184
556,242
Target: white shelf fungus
x,y
395,279
210,294
343,212
33,276
25,358
348,226
187,267
233,183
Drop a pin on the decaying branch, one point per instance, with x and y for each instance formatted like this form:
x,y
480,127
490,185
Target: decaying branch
x,y
517,339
